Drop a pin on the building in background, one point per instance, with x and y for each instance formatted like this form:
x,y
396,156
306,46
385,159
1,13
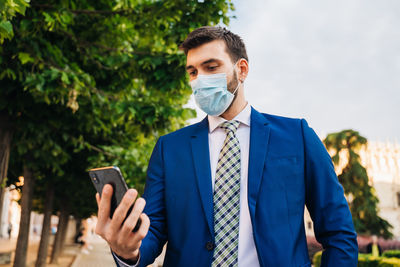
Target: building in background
x,y
382,161
11,213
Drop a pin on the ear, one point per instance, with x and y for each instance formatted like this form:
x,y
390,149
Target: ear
x,y
243,67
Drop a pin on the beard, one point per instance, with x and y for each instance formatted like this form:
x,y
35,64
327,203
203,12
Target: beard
x,y
232,85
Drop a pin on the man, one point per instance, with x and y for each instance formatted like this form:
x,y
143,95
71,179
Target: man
x,y
231,189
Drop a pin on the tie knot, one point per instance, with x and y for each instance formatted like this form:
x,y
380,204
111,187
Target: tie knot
x,y
230,126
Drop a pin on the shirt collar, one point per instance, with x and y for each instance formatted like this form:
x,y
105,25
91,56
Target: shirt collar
x,y
243,117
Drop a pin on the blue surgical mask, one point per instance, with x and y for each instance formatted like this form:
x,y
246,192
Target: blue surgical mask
x,y
211,93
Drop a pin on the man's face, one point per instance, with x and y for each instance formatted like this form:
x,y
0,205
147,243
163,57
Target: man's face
x,y
211,58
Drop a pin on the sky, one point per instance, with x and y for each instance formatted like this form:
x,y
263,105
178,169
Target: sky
x,y
334,63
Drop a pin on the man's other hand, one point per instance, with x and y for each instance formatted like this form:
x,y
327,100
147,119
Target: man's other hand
x,y
117,232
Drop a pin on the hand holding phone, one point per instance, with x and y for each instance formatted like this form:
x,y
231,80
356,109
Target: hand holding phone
x,y
117,227
113,176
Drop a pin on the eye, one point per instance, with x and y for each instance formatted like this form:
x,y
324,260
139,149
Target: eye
x,y
212,68
192,72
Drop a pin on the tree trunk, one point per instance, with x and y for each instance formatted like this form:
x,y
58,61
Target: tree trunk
x,y
26,207
60,235
2,189
44,239
78,224
64,232
5,143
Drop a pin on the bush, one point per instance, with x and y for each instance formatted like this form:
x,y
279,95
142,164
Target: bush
x,y
317,259
391,254
389,262
367,260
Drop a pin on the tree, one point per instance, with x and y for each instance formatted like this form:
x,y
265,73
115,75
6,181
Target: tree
x,y
8,10
354,178
104,78
5,141
44,237
27,192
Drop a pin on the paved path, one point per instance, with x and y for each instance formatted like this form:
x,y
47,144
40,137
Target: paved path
x,y
7,244
64,260
99,256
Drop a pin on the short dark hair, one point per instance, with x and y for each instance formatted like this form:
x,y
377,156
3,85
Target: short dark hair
x,y
234,44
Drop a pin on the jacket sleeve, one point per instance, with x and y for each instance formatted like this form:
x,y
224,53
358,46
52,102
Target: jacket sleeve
x,y
156,237
333,225
121,263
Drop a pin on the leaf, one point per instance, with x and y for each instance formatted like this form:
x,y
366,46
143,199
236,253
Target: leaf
x,y
25,58
6,27
64,78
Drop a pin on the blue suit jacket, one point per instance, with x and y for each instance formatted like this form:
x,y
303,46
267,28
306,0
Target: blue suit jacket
x,y
288,168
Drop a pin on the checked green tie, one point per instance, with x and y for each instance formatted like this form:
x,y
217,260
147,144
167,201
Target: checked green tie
x,y
227,199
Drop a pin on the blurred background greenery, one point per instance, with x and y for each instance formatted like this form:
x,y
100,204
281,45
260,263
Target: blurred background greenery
x,y
87,84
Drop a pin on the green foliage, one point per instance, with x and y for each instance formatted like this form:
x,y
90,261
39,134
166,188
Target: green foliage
x,y
361,196
367,260
389,262
89,84
391,254
8,10
317,259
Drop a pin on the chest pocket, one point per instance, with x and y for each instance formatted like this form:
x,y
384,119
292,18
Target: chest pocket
x,y
286,174
285,166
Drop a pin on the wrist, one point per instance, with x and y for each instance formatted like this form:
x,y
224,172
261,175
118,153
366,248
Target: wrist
x,y
131,260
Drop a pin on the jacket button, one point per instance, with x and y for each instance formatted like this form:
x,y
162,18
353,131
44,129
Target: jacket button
x,y
209,245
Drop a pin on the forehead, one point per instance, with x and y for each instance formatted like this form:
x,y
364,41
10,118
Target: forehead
x,y
215,49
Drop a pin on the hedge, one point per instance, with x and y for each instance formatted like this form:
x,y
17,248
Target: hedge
x,y
366,260
391,254
317,259
389,262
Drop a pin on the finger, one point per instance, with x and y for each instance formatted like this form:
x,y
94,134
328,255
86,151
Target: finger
x,y
99,226
132,219
98,199
105,205
143,229
122,209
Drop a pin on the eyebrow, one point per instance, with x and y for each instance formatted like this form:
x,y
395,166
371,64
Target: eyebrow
x,y
211,60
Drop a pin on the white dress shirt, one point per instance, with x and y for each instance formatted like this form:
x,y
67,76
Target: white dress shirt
x,y
247,255
216,137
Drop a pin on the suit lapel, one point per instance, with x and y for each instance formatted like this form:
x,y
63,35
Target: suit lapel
x,y
201,158
259,139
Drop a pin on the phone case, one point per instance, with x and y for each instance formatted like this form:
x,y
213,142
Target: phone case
x,y
109,175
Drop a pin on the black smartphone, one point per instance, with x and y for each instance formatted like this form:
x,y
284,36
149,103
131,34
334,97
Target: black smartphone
x,y
113,176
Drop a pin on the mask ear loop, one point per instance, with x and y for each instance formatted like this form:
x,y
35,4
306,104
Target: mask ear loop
x,y
239,80
237,87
